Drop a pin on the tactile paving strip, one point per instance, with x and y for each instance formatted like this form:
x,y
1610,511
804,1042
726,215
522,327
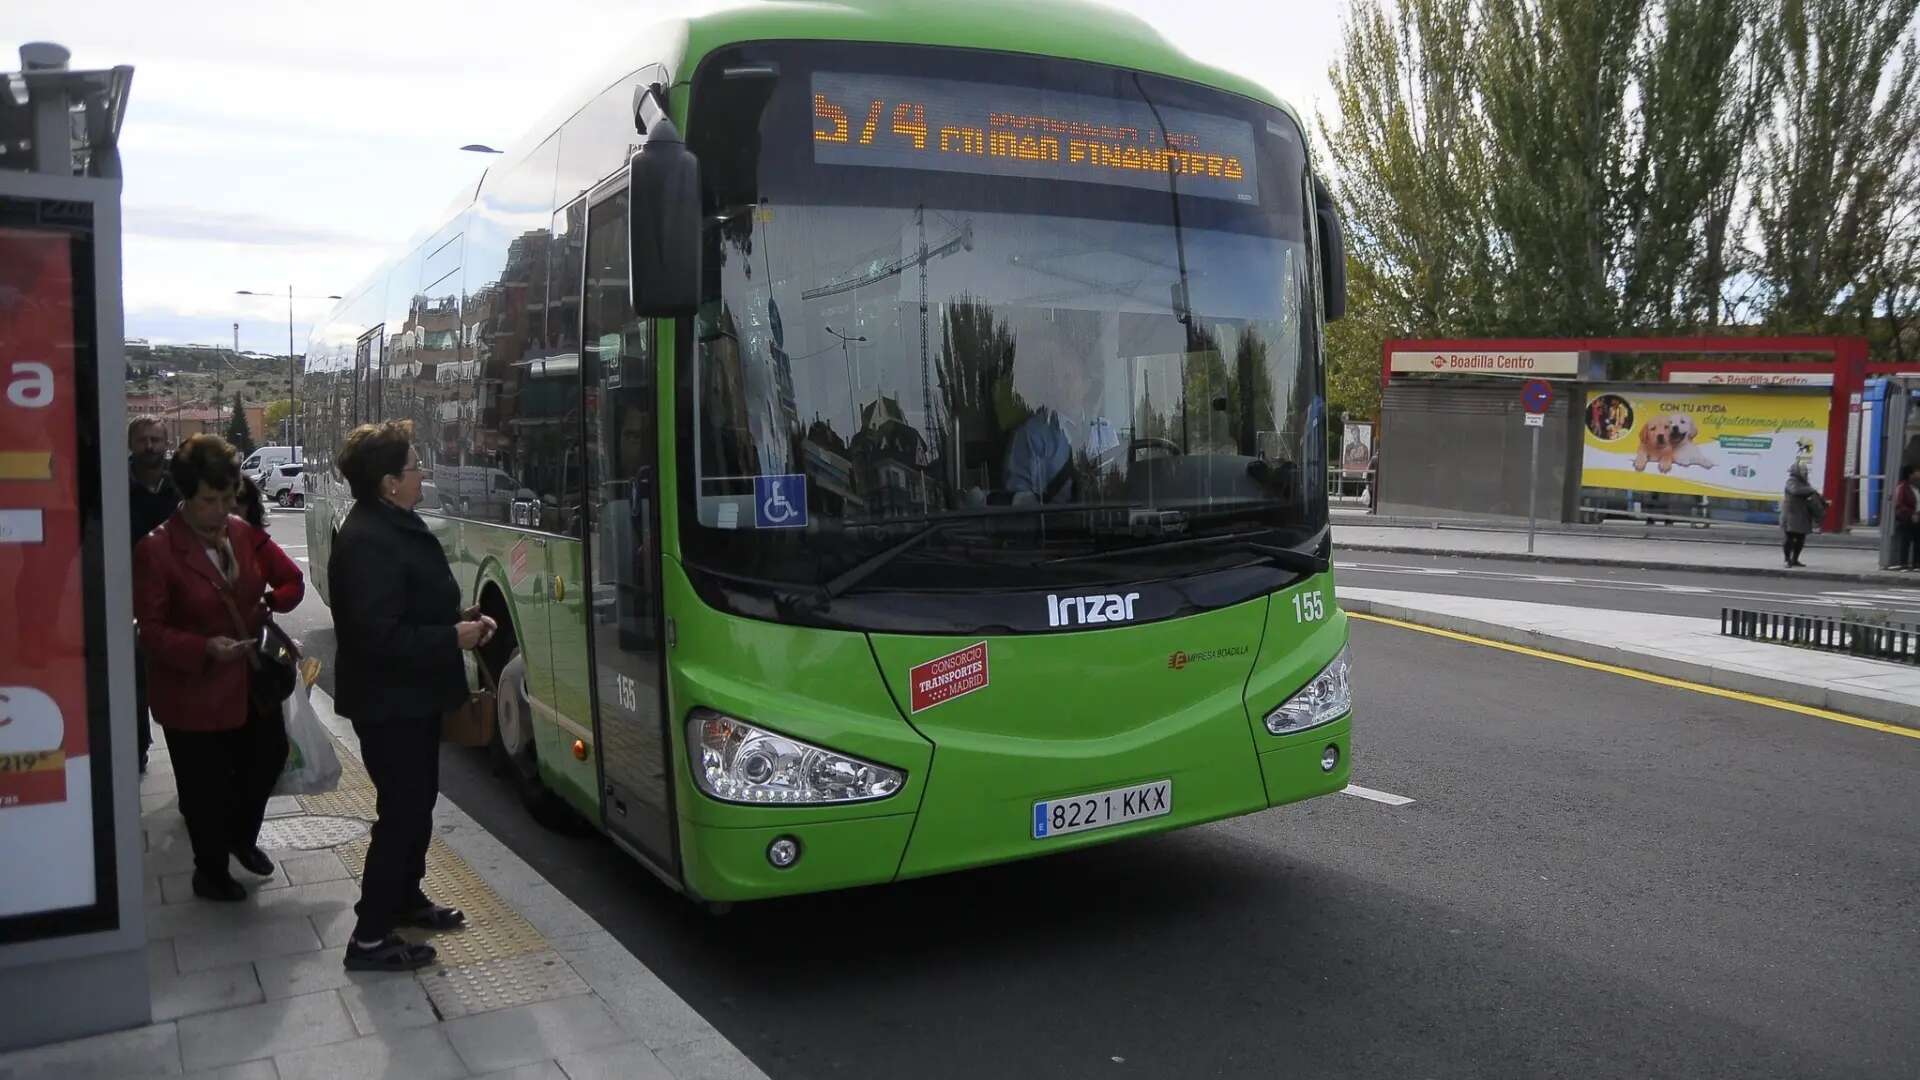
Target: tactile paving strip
x,y
353,798
309,833
498,960
501,983
494,930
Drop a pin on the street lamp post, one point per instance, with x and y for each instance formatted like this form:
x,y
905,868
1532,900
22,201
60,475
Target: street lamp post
x,y
846,351
293,365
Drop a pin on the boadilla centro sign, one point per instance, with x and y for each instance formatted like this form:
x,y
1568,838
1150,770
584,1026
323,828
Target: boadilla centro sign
x,y
1485,363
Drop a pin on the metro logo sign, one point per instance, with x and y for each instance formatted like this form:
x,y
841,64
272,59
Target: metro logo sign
x,y
944,678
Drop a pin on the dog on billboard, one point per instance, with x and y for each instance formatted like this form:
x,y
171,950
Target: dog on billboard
x,y
1668,441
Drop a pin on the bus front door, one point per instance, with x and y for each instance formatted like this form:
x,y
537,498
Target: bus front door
x,y
623,538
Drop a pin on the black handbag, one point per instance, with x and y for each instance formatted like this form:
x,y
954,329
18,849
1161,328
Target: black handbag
x,y
275,660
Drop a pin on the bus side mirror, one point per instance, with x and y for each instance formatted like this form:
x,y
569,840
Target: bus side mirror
x,y
663,223
1333,251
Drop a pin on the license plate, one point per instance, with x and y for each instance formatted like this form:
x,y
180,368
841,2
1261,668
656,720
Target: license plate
x,y
1056,817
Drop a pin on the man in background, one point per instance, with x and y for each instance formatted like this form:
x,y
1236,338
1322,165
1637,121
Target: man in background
x,y
151,501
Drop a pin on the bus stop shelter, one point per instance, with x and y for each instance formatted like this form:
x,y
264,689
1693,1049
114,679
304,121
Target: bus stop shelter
x,y
1468,425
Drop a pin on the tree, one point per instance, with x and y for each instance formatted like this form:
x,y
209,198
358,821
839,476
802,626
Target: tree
x,y
975,369
276,413
1838,185
1410,166
238,433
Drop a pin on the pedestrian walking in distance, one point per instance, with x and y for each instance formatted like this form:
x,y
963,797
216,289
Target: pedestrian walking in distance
x,y
396,609
151,500
1801,507
202,584
1906,520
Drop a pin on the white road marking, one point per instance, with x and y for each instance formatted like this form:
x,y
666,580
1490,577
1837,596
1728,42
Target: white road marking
x,y
1687,589
1553,580
1387,797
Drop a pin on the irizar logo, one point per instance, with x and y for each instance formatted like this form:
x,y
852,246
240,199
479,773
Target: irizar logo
x,y
1090,610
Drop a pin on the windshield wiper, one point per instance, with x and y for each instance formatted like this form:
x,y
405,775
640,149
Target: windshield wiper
x,y
1307,562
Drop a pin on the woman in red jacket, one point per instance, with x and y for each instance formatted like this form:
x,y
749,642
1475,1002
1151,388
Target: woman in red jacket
x,y
191,577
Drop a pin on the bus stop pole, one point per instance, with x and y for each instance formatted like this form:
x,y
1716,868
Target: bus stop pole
x,y
1533,485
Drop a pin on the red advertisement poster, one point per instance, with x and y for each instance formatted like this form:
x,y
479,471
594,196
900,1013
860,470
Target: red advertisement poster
x,y
947,677
43,661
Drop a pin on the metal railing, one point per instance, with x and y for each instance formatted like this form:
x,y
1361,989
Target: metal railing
x,y
1898,642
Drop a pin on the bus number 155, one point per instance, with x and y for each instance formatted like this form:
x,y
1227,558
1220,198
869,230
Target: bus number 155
x,y
1309,607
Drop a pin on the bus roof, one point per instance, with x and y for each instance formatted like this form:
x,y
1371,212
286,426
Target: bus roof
x,y
1069,29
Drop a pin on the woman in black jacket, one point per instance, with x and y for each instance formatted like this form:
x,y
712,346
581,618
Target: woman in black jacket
x,y
396,611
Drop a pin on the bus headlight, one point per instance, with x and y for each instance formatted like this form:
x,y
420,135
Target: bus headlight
x,y
1327,697
737,762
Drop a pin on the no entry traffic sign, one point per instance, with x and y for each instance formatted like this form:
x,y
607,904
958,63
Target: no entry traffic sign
x,y
1536,395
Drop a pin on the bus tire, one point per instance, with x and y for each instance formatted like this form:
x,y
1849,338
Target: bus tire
x,y
515,753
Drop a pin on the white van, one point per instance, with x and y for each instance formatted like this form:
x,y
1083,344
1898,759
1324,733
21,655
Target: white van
x,y
266,458
285,485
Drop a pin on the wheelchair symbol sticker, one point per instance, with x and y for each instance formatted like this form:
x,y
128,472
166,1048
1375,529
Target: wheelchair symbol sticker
x,y
780,502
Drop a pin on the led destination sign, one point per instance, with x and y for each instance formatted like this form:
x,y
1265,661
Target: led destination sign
x,y
993,130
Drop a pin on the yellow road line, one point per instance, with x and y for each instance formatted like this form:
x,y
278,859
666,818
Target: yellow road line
x,y
1659,680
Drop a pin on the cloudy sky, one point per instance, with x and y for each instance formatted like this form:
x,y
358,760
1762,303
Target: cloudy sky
x,y
275,142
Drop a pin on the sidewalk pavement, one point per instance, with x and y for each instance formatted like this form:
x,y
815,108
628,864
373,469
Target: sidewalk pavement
x,y
1675,646
1826,562
531,989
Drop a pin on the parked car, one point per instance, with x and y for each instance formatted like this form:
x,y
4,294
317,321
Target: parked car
x,y
286,485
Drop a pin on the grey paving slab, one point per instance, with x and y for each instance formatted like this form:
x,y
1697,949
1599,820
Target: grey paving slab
x,y
160,959
492,1041
175,996
307,973
387,1002
251,1070
284,806
267,1030
540,1070
146,1051
420,1054
158,801
334,927
152,894
642,1003
550,911
245,942
311,868
712,1058
629,1061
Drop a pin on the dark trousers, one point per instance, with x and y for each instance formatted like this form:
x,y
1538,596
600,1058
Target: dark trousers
x,y
140,721
225,778
1906,543
1794,545
402,756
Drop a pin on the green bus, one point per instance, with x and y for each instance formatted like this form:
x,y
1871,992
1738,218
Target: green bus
x,y
1058,574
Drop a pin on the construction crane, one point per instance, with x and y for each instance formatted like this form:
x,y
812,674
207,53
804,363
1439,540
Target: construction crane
x,y
961,240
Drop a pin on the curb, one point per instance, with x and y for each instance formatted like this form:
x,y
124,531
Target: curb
x,y
1817,697
684,1043
1878,577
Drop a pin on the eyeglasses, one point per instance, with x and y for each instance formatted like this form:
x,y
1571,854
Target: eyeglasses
x,y
416,467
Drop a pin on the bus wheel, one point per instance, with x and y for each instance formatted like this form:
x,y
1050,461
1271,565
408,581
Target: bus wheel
x,y
514,750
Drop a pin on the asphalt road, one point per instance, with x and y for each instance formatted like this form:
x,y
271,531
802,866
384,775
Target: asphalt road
x,y
1597,877
1620,588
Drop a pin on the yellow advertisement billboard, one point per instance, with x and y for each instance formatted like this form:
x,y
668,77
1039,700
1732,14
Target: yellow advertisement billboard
x,y
1706,442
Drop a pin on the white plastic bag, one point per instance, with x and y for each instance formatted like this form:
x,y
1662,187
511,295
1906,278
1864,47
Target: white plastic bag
x,y
313,766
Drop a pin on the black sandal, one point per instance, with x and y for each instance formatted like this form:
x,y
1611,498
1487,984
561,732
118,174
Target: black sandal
x,y
392,954
434,917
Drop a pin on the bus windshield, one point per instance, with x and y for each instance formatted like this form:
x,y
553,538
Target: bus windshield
x,y
979,321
